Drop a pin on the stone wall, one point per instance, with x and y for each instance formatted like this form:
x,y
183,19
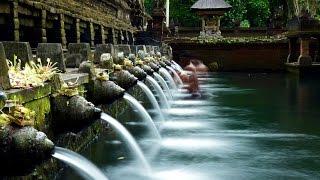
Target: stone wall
x,y
67,21
38,100
234,57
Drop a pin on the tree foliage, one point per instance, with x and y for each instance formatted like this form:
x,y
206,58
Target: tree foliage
x,y
254,13
236,15
258,12
148,4
181,13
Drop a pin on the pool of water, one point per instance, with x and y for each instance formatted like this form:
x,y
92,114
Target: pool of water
x,y
245,126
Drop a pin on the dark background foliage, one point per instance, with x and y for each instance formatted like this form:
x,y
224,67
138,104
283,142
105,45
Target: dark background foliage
x,y
249,13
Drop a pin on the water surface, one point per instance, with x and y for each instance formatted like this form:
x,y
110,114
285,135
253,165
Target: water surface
x,y
245,126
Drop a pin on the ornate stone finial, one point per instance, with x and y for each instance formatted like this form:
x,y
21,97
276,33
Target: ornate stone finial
x,y
106,61
141,54
132,57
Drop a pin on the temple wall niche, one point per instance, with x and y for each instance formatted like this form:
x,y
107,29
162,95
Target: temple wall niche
x,y
65,21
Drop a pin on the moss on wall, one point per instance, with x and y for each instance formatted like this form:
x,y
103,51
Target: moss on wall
x,y
42,110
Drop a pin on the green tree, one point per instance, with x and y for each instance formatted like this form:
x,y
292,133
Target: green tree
x,y
236,15
180,11
148,4
258,12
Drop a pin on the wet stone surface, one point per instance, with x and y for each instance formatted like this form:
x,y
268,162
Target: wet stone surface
x,y
21,150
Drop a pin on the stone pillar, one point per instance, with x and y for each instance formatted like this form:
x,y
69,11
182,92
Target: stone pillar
x,y
128,38
16,23
218,23
43,26
132,38
114,37
304,58
62,32
203,23
292,57
78,30
103,35
91,34
121,37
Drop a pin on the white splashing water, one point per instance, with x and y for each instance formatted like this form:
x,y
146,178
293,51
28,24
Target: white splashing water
x,y
163,99
168,76
143,113
177,77
84,167
176,65
128,139
152,98
164,84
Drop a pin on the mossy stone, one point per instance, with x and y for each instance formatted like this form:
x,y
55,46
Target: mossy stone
x,y
87,67
20,49
22,150
138,72
77,53
154,66
101,49
4,76
147,69
72,113
105,92
124,79
52,51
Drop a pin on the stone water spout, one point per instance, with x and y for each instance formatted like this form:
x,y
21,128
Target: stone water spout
x,y
154,66
105,92
168,63
22,149
162,64
147,69
73,112
135,70
100,89
144,67
123,78
70,111
138,72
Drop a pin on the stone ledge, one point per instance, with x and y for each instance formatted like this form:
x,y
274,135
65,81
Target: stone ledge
x,y
26,95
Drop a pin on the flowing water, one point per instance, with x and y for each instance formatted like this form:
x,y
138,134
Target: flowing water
x,y
168,76
82,166
151,98
130,141
176,76
177,66
163,99
163,84
256,126
144,114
